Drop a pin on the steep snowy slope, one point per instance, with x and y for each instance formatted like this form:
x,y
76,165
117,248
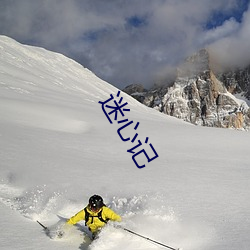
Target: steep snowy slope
x,y
57,148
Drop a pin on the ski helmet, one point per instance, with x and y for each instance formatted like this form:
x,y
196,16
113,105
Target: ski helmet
x,y
95,202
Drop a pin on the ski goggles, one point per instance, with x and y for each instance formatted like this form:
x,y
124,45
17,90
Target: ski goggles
x,y
94,208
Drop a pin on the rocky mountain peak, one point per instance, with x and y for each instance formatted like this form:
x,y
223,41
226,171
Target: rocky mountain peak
x,y
196,64
200,96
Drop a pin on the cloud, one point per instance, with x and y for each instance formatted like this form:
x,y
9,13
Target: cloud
x,y
121,41
228,28
233,49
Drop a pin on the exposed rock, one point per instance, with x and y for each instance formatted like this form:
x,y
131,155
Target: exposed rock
x,y
237,81
137,91
201,97
133,88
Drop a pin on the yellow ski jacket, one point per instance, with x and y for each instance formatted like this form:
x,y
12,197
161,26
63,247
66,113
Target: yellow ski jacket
x,y
94,223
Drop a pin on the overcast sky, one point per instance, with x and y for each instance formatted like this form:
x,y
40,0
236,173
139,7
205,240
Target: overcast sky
x,y
131,41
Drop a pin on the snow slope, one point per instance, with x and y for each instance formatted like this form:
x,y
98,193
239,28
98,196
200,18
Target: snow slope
x,y
57,148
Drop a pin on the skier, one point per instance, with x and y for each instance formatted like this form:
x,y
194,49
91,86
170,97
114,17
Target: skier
x,y
95,214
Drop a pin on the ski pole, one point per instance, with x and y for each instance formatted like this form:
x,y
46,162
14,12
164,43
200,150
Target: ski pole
x,y
45,228
150,239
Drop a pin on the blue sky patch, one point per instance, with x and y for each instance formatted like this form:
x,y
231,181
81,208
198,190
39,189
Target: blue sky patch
x,y
136,21
219,17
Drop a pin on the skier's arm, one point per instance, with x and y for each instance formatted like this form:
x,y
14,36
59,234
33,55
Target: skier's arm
x,y
110,214
77,217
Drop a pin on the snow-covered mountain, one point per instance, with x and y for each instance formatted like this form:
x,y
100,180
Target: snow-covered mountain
x,y
201,95
58,147
237,81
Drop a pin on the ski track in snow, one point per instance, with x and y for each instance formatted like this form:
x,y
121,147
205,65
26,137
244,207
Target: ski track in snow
x,y
43,117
